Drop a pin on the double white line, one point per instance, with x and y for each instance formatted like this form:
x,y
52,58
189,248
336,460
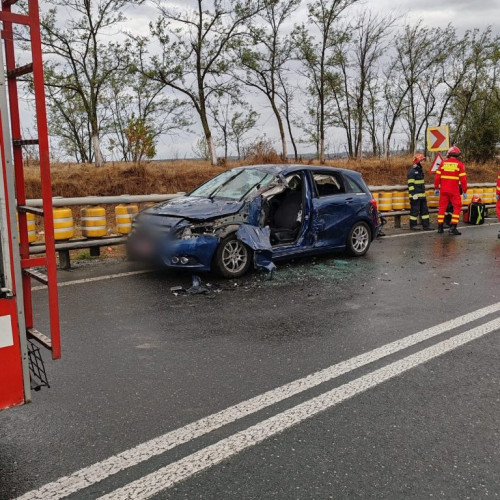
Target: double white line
x,y
173,473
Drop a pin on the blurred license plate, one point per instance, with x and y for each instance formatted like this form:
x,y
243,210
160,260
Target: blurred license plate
x,y
143,248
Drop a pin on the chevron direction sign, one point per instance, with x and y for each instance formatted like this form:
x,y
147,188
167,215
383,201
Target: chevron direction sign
x,y
438,138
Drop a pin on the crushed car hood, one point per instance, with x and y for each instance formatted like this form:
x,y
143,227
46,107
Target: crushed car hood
x,y
193,208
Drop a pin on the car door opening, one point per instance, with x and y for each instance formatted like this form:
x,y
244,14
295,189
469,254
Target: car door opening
x,y
285,212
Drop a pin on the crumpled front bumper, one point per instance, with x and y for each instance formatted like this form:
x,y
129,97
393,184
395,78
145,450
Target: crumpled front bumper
x,y
197,252
194,253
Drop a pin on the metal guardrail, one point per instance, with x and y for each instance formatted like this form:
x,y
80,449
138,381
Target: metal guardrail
x,y
59,201
398,214
404,187
93,244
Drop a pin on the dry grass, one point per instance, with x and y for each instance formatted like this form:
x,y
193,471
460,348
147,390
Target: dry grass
x,y
74,180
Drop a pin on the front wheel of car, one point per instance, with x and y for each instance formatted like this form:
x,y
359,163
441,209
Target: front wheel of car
x,y
232,258
359,239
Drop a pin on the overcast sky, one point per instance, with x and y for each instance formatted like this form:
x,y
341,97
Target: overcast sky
x,y
463,14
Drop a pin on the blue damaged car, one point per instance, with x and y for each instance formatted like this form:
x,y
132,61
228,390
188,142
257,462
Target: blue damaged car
x,y
255,215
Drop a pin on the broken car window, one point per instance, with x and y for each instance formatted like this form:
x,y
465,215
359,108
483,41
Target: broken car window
x,y
328,184
205,190
234,187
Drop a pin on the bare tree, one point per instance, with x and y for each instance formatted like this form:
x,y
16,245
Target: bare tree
x,y
194,47
264,60
83,62
241,123
369,45
357,56
372,114
309,124
419,53
318,55
395,91
132,99
287,96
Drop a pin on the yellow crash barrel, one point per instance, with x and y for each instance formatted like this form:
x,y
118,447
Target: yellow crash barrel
x,y
432,199
124,215
30,219
407,201
93,220
385,201
398,200
489,195
64,227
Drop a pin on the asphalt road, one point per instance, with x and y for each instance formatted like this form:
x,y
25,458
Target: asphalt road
x,y
375,377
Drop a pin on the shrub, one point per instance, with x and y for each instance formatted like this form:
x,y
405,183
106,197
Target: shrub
x,y
261,151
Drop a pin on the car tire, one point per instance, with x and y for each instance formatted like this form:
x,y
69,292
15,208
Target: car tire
x,y
232,257
359,239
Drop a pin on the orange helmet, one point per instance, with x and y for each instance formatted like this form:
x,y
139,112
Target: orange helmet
x,y
454,151
418,157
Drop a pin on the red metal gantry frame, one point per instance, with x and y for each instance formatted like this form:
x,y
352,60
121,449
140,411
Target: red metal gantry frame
x,y
30,265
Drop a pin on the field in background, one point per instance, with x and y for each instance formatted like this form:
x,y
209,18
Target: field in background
x,y
75,180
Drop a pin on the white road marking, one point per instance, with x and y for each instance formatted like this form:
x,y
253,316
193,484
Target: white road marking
x,y
98,278
173,473
101,470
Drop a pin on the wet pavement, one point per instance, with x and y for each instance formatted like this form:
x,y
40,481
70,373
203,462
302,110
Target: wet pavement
x,y
142,356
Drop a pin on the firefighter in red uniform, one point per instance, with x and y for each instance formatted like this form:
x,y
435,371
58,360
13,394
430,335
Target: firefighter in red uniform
x,y
498,199
450,177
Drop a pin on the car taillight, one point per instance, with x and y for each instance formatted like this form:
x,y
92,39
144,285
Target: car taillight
x,y
373,201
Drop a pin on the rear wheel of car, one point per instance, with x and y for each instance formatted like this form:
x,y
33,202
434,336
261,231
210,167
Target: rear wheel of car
x,y
232,258
359,239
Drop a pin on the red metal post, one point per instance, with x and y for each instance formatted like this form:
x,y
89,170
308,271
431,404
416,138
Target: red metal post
x,y
43,138
49,261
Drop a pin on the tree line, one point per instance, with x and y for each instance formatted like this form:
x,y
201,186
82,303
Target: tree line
x,y
338,68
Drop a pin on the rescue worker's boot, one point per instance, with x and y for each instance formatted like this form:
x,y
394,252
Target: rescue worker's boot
x,y
454,231
440,228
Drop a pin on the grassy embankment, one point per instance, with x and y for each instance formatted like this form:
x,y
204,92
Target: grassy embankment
x,y
73,180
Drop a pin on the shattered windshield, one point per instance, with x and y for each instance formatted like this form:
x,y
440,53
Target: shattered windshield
x,y
234,185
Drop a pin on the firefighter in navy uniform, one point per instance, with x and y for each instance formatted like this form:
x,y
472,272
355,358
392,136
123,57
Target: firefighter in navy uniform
x,y
450,178
416,191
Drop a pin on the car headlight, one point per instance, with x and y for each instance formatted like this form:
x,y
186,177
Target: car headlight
x,y
196,230
186,234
